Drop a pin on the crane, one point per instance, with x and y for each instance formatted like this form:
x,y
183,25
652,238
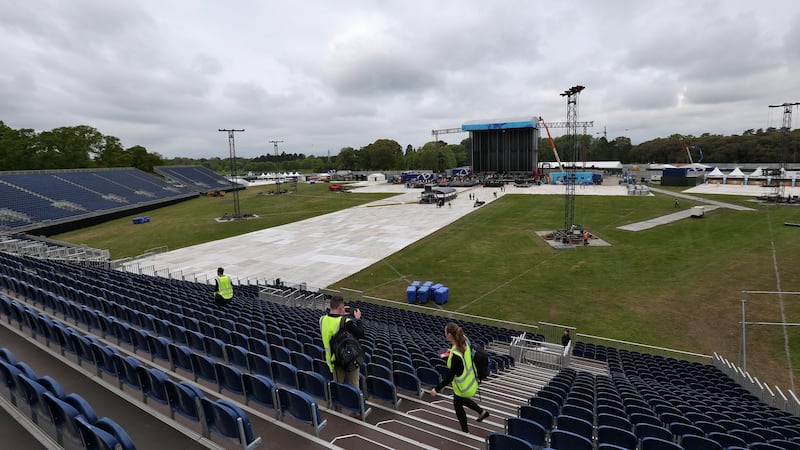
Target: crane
x,y
689,149
686,147
552,143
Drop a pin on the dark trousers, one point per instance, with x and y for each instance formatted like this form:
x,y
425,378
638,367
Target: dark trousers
x,y
459,403
219,301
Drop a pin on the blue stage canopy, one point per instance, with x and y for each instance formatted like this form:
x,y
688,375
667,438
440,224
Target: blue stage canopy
x,y
499,124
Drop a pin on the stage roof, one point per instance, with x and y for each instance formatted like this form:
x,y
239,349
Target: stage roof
x,y
499,124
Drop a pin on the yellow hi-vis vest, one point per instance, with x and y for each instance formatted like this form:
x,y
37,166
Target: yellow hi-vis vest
x,y
328,326
466,384
225,287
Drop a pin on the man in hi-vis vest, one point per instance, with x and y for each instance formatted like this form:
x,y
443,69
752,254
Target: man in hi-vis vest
x,y
224,291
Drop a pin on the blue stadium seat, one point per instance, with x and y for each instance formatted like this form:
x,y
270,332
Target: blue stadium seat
x,y
258,345
8,376
284,373
109,426
280,353
350,398
196,340
539,415
646,430
562,439
301,361
52,386
31,395
237,356
260,389
545,403
616,436
527,430
127,371
383,389
154,384
379,371
691,442
313,384
302,407
314,351
158,347
184,398
63,416
321,367
103,357
727,440
95,438
180,357
227,419
576,425
500,441
654,443
203,368
229,378
214,347
407,381
259,364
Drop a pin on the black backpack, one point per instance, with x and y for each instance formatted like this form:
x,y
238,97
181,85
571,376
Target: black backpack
x,y
346,349
480,360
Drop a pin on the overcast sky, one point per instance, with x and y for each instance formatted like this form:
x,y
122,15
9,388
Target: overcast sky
x,y
322,75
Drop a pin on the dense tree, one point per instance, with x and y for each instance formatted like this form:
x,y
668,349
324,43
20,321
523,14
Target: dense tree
x,y
83,147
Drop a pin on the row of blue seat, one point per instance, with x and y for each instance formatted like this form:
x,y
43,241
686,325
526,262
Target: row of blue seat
x,y
66,417
42,196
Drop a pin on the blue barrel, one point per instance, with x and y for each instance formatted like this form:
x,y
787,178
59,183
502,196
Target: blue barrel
x,y
411,294
415,283
436,286
423,294
428,283
441,295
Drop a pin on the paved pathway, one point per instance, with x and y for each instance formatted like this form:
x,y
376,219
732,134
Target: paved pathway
x,y
683,214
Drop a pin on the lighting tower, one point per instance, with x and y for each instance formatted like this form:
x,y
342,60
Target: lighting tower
x,y
572,151
237,213
785,129
277,167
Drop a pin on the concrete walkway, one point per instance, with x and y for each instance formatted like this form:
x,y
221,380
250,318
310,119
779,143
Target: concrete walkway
x,y
683,214
701,200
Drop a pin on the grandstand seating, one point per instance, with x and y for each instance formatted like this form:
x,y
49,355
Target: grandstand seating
x,y
200,178
34,199
642,400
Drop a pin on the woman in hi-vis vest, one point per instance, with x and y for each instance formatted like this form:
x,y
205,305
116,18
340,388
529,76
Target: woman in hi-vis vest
x,y
462,376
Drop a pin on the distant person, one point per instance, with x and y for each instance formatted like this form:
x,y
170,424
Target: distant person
x,y
565,338
224,288
462,376
677,203
329,325
585,237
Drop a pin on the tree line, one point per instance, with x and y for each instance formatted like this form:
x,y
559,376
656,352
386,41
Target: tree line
x,y
82,146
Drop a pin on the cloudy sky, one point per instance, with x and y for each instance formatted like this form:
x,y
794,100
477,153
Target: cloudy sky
x,y
322,75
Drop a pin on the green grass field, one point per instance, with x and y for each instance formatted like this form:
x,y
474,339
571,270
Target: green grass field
x,y
677,286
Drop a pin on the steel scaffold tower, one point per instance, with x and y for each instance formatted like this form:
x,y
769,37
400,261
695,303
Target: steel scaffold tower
x,y
786,128
237,213
572,151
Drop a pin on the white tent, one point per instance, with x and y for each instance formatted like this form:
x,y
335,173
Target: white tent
x,y
716,173
736,173
759,172
379,177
